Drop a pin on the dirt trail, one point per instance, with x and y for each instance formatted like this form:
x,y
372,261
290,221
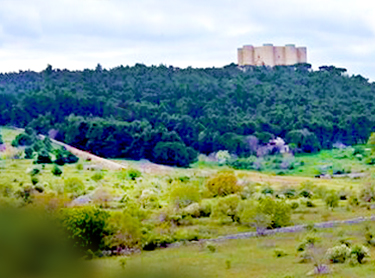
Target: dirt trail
x,y
102,162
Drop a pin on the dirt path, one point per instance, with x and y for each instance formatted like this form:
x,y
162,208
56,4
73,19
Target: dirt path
x,y
97,160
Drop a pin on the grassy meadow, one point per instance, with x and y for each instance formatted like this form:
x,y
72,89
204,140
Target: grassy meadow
x,y
152,206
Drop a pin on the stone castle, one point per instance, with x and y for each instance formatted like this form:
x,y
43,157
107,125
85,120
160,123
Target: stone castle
x,y
269,55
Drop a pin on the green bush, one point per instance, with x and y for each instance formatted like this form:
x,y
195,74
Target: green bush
x,y
223,184
367,192
332,200
23,139
226,207
310,204
35,172
280,253
338,254
183,194
310,240
124,230
74,186
267,213
152,240
99,175
359,253
134,173
294,205
210,246
86,227
43,157
242,163
34,180
56,171
29,153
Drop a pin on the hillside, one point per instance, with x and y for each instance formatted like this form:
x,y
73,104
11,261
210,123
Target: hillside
x,y
167,114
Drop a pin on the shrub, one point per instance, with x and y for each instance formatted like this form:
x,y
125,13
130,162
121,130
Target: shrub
x,y
29,153
332,200
34,180
98,176
210,246
64,156
267,190
56,171
23,139
183,194
86,227
359,253
43,157
133,173
173,153
338,254
226,207
310,204
74,186
34,172
205,208
243,163
279,253
79,166
193,210
124,230
294,205
367,192
152,241
267,213
223,184
290,193
309,241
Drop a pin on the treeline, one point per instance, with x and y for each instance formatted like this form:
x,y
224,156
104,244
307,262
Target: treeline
x,y
168,114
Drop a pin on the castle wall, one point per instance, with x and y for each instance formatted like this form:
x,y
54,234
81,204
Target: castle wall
x,y
270,55
240,57
248,54
258,56
290,54
279,52
302,54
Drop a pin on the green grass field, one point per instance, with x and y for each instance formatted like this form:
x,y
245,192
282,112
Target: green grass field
x,y
253,257
152,195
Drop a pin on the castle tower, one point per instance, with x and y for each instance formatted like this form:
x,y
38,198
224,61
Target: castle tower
x,y
290,54
302,54
268,54
240,57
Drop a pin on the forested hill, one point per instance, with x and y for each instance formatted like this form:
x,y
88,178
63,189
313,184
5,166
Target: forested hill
x,y
165,113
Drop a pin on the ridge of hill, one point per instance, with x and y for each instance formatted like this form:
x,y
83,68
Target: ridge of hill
x,y
167,115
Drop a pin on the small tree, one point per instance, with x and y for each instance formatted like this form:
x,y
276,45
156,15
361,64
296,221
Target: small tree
x,y
1,140
29,153
43,157
332,200
56,171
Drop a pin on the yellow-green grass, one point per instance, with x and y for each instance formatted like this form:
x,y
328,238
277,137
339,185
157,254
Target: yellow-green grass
x,y
252,257
8,134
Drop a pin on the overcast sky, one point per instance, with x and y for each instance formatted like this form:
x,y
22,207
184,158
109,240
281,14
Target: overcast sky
x,y
78,34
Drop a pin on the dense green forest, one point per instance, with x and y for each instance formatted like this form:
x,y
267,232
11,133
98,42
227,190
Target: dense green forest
x,y
168,114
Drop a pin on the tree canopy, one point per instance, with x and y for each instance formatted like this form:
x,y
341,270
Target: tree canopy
x,y
127,111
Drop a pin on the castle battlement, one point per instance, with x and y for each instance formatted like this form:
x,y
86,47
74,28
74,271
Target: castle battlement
x,y
269,55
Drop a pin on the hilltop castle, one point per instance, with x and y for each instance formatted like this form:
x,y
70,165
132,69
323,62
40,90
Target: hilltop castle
x,y
269,55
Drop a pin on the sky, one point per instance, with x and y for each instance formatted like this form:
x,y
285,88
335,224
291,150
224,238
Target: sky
x,y
79,34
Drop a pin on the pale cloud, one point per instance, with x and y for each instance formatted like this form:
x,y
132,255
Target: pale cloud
x,y
79,34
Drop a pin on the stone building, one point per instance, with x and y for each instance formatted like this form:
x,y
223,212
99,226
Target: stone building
x,y
269,55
